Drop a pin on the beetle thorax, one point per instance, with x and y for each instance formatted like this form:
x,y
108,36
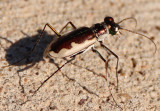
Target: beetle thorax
x,y
99,30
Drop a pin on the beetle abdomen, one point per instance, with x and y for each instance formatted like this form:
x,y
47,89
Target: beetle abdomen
x,y
73,42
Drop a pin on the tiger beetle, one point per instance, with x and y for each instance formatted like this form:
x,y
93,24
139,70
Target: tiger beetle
x,y
80,40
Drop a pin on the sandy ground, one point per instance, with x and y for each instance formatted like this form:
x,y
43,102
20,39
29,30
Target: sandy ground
x,y
21,22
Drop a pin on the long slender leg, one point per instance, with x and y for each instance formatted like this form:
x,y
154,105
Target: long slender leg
x,y
58,34
73,57
59,68
106,67
74,27
106,48
36,43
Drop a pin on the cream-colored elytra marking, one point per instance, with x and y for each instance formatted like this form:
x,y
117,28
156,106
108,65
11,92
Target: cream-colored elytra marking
x,y
75,49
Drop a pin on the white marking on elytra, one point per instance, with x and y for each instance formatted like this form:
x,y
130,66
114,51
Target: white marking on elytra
x,y
75,49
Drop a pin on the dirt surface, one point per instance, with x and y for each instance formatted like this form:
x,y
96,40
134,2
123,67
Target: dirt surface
x,y
78,85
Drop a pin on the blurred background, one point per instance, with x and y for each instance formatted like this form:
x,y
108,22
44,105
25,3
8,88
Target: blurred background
x,y
21,22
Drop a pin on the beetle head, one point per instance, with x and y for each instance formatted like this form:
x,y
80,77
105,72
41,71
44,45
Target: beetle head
x,y
112,26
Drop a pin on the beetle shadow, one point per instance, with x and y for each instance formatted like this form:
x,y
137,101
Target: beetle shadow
x,y
22,47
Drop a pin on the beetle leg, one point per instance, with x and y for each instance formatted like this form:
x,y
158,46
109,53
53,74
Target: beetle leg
x,y
47,24
107,49
106,67
74,27
59,68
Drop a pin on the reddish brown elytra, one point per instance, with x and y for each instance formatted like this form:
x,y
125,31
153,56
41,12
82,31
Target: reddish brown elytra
x,y
80,40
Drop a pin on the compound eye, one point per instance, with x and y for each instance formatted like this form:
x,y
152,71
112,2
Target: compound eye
x,y
108,20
